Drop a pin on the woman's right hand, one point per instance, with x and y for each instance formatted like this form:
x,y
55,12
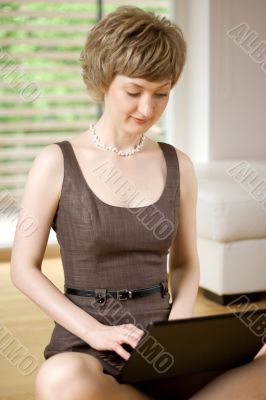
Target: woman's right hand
x,y
106,337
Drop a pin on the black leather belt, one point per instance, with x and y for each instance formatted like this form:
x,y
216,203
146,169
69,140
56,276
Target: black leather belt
x,y
123,294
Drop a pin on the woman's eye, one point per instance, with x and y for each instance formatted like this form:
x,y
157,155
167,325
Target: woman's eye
x,y
136,94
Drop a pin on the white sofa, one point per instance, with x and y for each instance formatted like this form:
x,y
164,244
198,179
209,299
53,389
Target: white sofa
x,y
231,225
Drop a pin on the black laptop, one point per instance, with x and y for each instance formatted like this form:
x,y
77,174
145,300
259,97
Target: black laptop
x,y
187,346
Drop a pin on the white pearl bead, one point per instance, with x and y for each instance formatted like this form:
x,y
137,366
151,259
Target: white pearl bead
x,y
114,149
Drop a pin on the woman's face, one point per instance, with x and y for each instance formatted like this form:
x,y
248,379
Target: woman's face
x,y
129,98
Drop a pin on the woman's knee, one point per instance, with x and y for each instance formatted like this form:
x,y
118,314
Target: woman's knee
x,y
66,376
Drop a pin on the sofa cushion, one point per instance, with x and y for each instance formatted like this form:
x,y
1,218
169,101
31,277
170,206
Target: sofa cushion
x,y
231,200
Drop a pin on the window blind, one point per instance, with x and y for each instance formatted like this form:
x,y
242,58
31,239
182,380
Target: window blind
x,y
43,97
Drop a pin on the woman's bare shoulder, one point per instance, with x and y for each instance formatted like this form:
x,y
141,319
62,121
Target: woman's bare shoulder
x,y
186,165
187,172
49,163
50,155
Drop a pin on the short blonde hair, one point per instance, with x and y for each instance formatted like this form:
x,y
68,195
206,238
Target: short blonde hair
x,y
135,43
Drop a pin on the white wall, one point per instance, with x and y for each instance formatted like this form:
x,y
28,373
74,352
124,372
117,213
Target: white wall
x,y
219,103
176,112
237,82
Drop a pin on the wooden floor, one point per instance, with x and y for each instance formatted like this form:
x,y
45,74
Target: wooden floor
x,y
31,328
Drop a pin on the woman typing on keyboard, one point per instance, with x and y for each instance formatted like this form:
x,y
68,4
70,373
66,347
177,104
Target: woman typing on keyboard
x,y
119,202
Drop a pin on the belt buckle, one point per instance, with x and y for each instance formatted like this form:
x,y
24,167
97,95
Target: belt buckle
x,y
100,297
121,294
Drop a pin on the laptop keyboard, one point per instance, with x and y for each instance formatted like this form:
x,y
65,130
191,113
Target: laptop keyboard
x,y
114,360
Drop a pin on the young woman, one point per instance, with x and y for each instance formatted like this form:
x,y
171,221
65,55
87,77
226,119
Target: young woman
x,y
119,203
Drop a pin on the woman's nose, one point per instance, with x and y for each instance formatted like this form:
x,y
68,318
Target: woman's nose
x,y
146,109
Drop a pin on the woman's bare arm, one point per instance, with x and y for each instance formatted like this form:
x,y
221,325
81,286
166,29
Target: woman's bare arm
x,y
183,260
39,201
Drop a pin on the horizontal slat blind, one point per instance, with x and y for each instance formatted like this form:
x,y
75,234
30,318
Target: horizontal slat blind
x,y
43,97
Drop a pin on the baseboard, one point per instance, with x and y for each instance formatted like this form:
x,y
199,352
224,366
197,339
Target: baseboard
x,y
237,298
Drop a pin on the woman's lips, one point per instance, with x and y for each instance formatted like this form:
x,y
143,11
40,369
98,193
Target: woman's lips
x,y
139,121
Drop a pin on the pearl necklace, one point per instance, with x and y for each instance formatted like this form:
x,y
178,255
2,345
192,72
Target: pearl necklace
x,y
97,140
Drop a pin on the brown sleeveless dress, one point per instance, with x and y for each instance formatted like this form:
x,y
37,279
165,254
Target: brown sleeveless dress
x,y
110,247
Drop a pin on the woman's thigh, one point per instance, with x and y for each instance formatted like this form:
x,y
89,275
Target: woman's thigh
x,y
79,376
246,382
66,371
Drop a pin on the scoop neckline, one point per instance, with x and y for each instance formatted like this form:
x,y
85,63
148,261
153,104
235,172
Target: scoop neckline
x,y
118,207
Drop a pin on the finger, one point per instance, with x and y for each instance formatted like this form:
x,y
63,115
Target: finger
x,y
131,336
121,351
133,328
134,331
131,340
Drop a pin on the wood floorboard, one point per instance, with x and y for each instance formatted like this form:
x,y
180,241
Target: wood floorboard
x,y
31,328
